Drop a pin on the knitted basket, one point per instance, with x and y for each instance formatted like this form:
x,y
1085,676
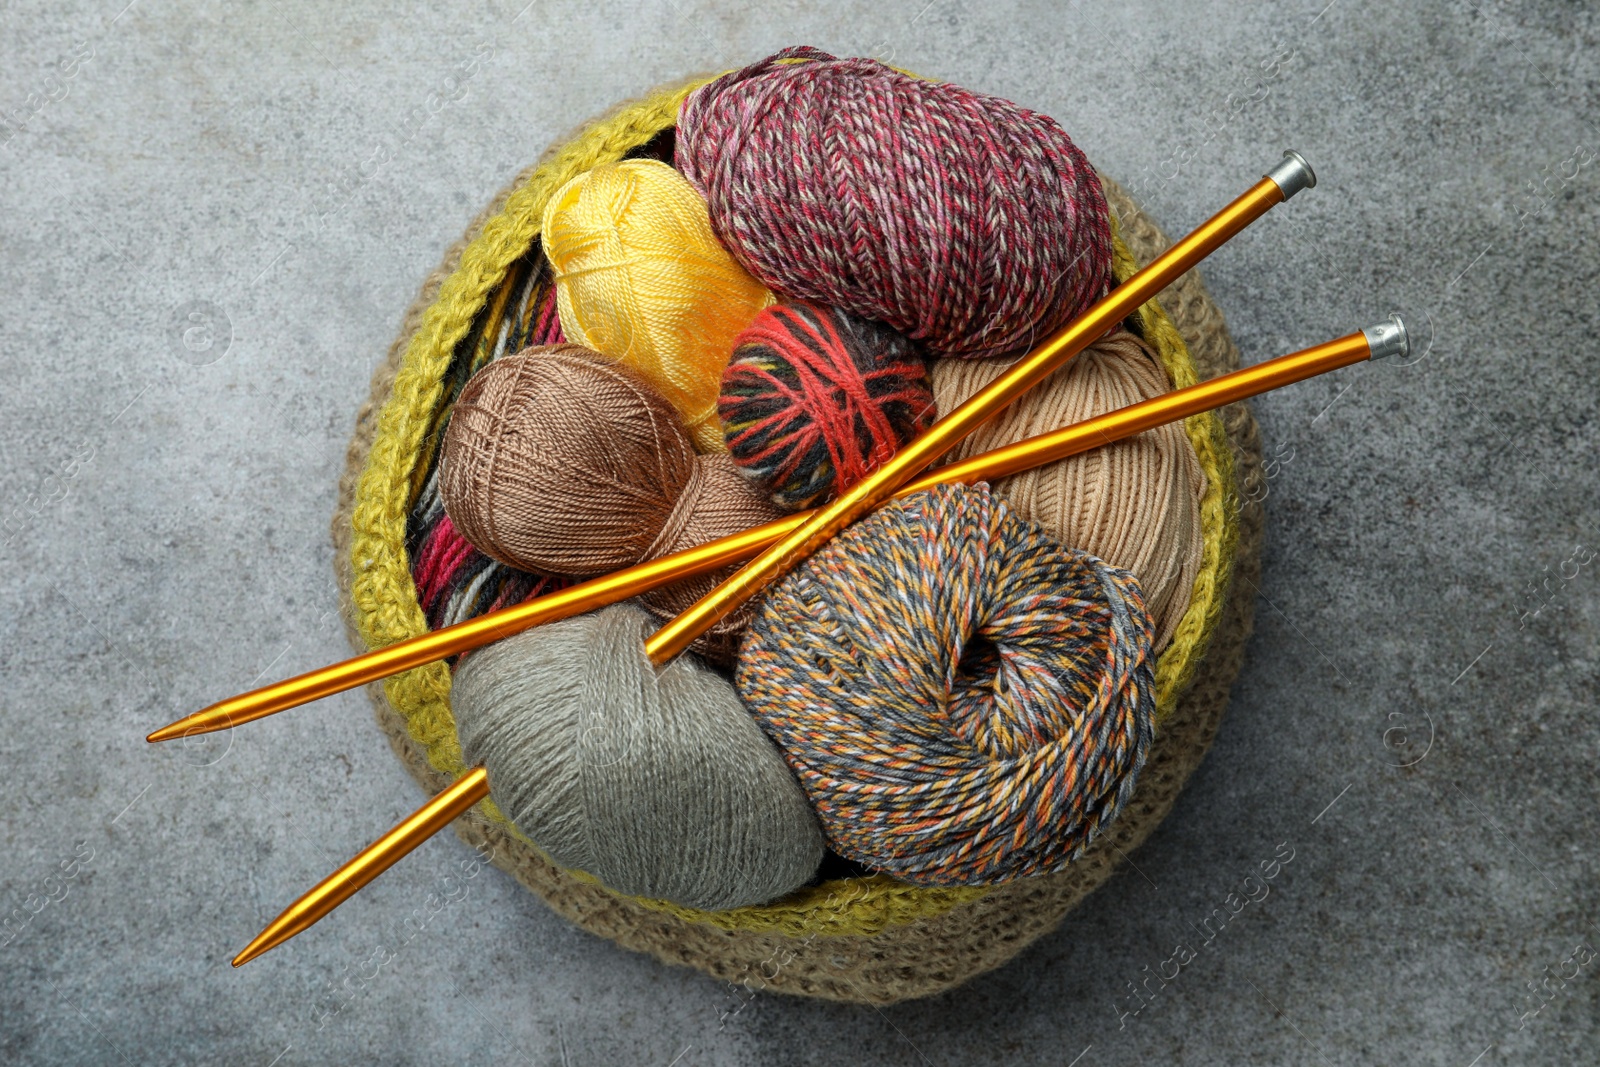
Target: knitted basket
x,y
864,939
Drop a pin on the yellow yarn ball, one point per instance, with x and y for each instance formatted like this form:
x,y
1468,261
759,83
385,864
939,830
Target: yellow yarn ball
x,y
640,277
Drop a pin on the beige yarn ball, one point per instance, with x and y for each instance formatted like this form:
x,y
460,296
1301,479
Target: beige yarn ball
x,y
1133,503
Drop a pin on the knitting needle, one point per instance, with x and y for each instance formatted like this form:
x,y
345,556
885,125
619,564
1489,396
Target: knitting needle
x,y
1282,182
735,548
1375,342
1286,179
372,861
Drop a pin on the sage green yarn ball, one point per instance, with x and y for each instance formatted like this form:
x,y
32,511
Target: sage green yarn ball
x,y
654,780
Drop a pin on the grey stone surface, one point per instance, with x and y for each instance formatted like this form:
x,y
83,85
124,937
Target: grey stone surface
x,y
1415,721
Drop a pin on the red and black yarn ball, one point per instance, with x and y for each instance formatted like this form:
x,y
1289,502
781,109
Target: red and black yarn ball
x,y
816,398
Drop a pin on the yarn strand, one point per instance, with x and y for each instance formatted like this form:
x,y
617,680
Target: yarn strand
x,y
898,199
815,399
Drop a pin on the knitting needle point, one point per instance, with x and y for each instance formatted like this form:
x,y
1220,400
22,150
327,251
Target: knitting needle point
x,y
1385,339
475,633
1286,179
370,862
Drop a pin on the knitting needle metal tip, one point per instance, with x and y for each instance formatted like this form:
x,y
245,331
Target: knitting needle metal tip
x,y
1293,174
370,862
1388,338
475,633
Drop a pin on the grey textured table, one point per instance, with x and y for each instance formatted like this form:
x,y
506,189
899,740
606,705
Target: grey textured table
x,y
213,219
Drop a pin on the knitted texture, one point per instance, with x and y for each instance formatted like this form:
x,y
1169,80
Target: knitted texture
x,y
641,278
964,700
654,781
1134,503
913,200
382,592
388,469
874,939
815,399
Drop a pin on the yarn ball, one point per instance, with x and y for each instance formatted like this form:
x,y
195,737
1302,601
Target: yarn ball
x,y
655,781
561,461
964,700
962,220
1133,503
641,278
815,399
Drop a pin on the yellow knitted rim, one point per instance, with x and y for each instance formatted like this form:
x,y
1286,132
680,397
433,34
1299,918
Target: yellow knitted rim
x,y
384,598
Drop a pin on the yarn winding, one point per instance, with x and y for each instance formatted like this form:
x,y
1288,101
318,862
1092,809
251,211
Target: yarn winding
x,y
641,278
815,399
1133,503
964,221
561,461
655,781
964,700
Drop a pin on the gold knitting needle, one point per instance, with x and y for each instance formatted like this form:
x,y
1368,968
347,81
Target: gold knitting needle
x,y
477,632
371,861
1375,342
1288,178
703,559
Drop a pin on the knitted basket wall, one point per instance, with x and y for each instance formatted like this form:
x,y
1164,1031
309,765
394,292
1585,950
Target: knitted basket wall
x,y
865,939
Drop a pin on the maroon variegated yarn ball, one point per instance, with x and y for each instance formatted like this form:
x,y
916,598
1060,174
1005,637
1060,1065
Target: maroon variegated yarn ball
x,y
970,224
816,398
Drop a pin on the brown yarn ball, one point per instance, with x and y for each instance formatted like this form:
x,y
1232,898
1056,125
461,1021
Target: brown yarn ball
x,y
1134,503
729,503
560,460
